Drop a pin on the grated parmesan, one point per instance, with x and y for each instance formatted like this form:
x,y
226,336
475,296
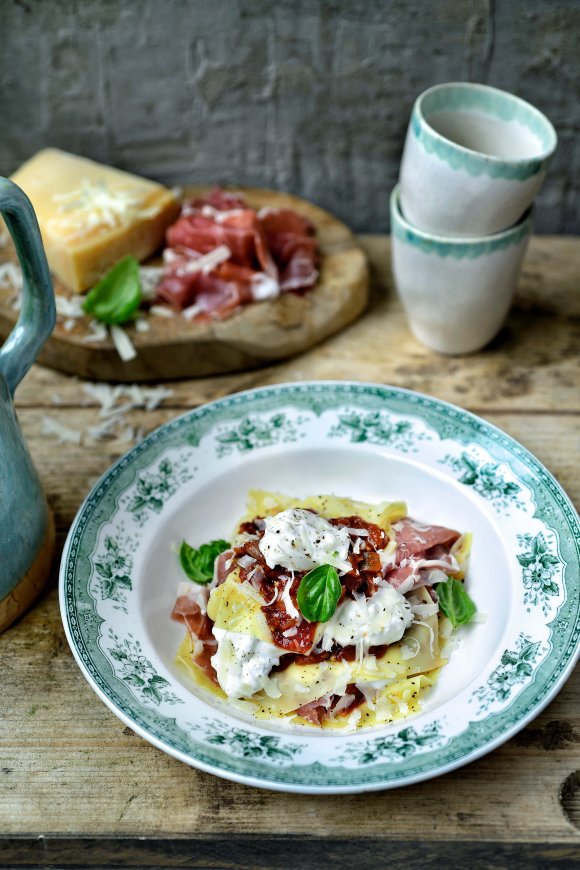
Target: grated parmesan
x,y
161,311
11,276
150,277
64,434
123,344
97,332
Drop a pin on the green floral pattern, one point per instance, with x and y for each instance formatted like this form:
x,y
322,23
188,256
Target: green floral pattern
x,y
247,744
514,670
253,432
395,747
539,567
137,671
153,488
113,566
488,479
121,669
377,428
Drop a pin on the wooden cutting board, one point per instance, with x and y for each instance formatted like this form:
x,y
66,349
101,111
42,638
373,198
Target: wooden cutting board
x,y
259,334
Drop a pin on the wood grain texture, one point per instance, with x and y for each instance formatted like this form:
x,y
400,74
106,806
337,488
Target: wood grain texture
x,y
70,770
258,334
533,364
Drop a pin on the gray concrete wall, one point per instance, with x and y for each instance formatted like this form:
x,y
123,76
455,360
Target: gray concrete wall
x,y
311,97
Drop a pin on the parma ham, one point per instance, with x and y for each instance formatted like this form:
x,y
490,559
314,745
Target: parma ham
x,y
414,538
419,549
222,255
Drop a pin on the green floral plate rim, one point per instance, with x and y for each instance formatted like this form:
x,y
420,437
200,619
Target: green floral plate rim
x,y
106,580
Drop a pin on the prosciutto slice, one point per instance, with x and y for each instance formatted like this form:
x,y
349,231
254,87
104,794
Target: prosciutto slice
x,y
291,239
317,710
418,544
222,291
414,538
199,625
266,253
332,705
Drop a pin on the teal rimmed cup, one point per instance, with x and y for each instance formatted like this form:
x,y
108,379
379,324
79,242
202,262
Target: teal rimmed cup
x,y
456,291
474,159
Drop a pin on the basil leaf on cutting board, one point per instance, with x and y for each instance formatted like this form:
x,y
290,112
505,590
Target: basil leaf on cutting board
x,y
198,563
318,593
117,296
454,602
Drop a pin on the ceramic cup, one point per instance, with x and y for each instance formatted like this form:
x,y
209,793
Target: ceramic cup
x,y
474,159
26,524
456,292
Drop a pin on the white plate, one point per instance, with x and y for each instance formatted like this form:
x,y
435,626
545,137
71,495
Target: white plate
x,y
189,479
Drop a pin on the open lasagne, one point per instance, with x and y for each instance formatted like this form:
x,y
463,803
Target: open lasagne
x,y
326,610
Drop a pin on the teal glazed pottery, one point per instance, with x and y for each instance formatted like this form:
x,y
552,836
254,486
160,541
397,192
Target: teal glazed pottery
x,y
475,157
456,291
26,525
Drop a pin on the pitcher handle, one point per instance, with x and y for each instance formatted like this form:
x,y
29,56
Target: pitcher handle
x,y
37,313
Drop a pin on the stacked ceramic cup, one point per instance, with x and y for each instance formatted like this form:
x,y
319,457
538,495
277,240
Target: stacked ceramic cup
x,y
461,216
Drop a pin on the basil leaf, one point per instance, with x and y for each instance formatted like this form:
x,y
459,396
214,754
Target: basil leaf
x,y
318,593
117,296
198,564
454,602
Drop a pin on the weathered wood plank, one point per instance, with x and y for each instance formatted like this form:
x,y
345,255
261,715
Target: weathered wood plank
x,y
111,782
284,853
534,364
70,769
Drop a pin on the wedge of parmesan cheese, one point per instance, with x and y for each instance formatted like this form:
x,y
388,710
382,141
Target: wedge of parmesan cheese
x,y
91,216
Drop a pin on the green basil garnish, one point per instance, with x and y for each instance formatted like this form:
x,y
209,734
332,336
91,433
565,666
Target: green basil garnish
x,y
198,564
116,298
318,593
454,602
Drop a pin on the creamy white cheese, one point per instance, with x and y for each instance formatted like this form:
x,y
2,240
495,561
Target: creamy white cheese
x,y
243,662
381,619
299,540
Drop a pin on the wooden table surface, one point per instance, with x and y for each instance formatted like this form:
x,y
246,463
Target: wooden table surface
x,y
78,788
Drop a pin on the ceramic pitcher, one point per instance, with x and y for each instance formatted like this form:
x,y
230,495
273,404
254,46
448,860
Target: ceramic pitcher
x,y
26,525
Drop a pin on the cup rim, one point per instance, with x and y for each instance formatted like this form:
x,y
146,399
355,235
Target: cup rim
x,y
542,156
457,241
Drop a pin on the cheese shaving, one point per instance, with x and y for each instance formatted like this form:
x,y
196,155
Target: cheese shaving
x,y
108,397
264,287
97,332
69,307
150,276
115,402
161,311
64,434
11,276
288,603
123,344
204,264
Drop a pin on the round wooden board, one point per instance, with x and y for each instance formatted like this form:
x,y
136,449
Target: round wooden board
x,y
259,334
